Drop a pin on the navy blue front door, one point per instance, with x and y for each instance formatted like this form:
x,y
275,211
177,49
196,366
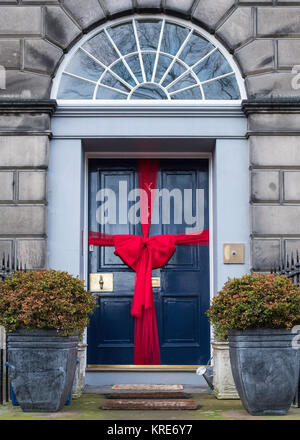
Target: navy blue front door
x,y
183,297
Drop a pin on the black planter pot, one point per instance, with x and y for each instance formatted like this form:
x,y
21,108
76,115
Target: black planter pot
x,y
265,368
41,368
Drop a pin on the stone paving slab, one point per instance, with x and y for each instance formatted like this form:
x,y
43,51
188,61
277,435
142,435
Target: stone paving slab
x,y
148,404
87,406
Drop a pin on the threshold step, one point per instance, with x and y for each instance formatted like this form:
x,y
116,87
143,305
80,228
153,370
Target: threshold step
x,y
155,404
147,387
148,395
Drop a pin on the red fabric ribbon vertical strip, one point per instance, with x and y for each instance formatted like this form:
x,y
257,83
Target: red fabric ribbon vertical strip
x,y
147,177
146,345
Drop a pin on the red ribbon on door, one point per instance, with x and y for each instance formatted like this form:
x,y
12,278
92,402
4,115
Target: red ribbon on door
x,y
143,254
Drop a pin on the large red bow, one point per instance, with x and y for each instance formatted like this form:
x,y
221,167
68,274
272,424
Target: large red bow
x,y
143,255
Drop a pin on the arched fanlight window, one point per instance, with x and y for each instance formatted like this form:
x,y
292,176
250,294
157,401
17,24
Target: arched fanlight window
x,y
148,59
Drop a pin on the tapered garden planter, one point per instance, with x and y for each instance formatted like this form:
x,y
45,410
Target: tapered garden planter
x,y
42,366
265,369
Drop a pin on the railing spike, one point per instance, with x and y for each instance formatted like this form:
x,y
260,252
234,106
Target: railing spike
x,y
8,264
287,267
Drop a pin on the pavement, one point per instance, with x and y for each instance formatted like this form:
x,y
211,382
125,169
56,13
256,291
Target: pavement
x,y
88,407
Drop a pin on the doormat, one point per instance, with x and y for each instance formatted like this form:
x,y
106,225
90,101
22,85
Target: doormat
x,y
150,404
146,387
148,395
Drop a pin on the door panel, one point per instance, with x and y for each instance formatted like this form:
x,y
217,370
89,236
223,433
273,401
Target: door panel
x,y
182,299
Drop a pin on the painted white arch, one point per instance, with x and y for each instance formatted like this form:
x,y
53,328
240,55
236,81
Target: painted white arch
x,y
169,101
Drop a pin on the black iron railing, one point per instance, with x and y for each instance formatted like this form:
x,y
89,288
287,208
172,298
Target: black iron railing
x,y
291,269
7,269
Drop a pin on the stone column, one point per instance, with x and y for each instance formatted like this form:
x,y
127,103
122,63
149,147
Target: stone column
x,y
274,136
224,386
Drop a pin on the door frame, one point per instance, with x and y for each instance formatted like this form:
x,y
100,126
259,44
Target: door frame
x,y
148,155
74,126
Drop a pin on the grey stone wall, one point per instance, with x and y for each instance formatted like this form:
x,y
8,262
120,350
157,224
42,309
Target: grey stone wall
x,y
263,37
274,136
24,151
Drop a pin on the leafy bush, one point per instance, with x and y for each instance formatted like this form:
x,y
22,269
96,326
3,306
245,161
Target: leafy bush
x,y
255,301
45,299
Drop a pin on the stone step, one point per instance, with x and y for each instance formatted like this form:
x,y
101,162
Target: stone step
x,y
150,404
146,387
148,395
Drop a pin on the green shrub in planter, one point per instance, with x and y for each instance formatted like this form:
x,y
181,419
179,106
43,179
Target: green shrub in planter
x,y
257,312
44,313
46,299
255,301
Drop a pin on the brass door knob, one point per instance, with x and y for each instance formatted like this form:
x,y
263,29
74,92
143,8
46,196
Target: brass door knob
x,y
101,282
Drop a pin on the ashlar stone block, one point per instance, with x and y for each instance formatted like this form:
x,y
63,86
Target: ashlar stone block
x,y
41,55
33,253
265,186
263,2
24,151
279,21
288,52
274,122
272,85
85,13
265,254
276,220
182,6
32,186
209,13
114,7
6,186
59,27
256,56
28,122
275,151
6,247
148,4
291,188
10,53
23,220
26,85
238,28
19,20
291,246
